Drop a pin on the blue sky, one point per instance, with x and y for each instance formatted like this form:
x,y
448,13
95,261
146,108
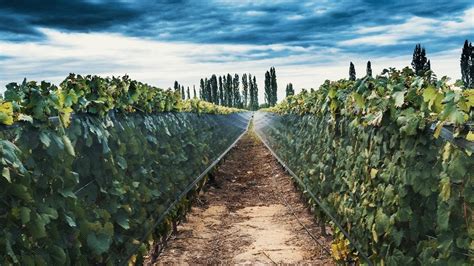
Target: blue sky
x,y
307,41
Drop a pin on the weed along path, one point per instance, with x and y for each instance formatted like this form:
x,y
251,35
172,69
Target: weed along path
x,y
248,217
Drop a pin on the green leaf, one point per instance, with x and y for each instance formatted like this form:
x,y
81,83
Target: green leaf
x,y
6,174
25,215
443,214
399,97
37,227
99,243
381,221
70,221
9,249
445,187
20,191
58,255
44,138
68,145
122,220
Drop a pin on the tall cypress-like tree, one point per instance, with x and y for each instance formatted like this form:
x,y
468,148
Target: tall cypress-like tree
x,y
251,92
224,87
352,72
419,62
236,91
194,89
214,90
255,94
466,62
209,90
229,91
201,89
189,94
273,86
471,66
183,95
369,69
221,92
245,92
289,90
268,89
176,86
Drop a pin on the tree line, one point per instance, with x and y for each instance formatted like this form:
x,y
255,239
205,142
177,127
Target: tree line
x,y
422,66
233,91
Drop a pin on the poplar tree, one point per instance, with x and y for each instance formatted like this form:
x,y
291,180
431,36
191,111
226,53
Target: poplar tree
x,y
245,87
229,91
467,62
369,69
352,72
183,96
201,89
255,94
251,93
194,89
221,92
419,62
214,90
176,86
268,89
189,94
273,86
236,91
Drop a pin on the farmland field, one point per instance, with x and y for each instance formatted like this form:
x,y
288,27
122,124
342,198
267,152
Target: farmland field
x,y
236,132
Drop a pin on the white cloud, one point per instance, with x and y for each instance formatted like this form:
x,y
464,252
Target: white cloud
x,y
160,63
413,27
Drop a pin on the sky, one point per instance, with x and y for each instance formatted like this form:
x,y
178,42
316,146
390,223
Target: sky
x,y
158,42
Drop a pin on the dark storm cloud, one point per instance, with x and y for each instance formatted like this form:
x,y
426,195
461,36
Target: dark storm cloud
x,y
295,23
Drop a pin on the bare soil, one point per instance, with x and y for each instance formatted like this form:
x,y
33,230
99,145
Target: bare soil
x,y
248,217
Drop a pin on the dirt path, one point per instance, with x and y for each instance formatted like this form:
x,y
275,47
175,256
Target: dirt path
x,y
244,220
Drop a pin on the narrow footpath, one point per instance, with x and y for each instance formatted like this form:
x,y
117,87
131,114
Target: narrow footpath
x,y
248,217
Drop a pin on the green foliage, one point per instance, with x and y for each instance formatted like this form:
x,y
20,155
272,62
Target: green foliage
x,y
404,195
88,189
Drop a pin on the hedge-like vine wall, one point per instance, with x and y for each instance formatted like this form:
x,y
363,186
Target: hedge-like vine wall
x,y
89,188
365,149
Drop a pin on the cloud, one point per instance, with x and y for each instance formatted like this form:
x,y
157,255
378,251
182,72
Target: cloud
x,y
160,63
162,41
414,27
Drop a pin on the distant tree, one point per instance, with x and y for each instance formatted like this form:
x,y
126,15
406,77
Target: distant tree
x,y
201,89
352,72
221,92
467,62
209,90
183,95
289,90
194,89
369,69
251,92
427,67
245,92
471,66
273,86
268,89
228,91
176,86
236,91
189,94
419,62
214,90
255,94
